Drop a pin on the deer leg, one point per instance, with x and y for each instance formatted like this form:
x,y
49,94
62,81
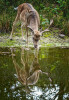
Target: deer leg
x,y
22,30
27,34
13,27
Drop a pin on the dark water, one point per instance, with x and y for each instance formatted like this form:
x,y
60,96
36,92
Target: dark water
x,y
31,75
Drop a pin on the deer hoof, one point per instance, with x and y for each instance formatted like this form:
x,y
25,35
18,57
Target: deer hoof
x,y
23,39
11,39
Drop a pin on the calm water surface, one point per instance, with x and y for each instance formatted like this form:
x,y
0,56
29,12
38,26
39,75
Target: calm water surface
x,y
32,75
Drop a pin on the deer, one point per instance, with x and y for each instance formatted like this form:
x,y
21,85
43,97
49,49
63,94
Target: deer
x,y
29,19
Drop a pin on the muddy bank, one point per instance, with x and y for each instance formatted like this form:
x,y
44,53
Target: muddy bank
x,y
47,40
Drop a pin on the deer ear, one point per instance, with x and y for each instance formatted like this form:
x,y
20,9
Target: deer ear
x,y
30,28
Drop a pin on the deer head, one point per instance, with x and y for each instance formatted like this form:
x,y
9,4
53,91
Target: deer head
x,y
36,36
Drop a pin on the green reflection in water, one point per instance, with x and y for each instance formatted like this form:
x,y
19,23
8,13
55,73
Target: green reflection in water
x,y
34,75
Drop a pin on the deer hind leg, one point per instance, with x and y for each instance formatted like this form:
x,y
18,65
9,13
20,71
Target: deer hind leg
x,y
13,27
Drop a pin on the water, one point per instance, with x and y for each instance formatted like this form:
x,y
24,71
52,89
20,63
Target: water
x,y
32,75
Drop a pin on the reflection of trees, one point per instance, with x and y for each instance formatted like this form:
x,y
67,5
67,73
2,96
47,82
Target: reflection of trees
x,y
7,78
57,61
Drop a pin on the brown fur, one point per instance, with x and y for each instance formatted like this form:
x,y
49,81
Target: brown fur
x,y
29,18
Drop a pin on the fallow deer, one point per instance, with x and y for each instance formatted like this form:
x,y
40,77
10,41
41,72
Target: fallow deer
x,y
29,18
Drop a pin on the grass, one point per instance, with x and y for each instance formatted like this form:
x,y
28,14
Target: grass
x,y
7,43
49,39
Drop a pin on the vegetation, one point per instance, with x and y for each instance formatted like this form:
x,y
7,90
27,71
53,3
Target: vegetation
x,y
48,9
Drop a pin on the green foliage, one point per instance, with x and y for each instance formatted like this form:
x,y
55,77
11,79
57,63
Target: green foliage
x,y
48,9
64,6
44,22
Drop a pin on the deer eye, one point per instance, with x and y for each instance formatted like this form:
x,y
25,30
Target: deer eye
x,y
35,39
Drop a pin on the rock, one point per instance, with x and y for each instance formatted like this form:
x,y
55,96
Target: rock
x,y
61,35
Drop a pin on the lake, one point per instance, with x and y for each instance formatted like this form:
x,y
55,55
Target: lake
x,y
28,74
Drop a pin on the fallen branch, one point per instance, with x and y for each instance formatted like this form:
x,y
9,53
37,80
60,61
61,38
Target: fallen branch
x,y
5,52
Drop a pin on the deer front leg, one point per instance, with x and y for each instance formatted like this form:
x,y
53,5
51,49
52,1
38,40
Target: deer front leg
x,y
22,30
27,37
13,27
27,34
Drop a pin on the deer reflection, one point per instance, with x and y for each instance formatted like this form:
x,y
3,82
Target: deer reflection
x,y
28,74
